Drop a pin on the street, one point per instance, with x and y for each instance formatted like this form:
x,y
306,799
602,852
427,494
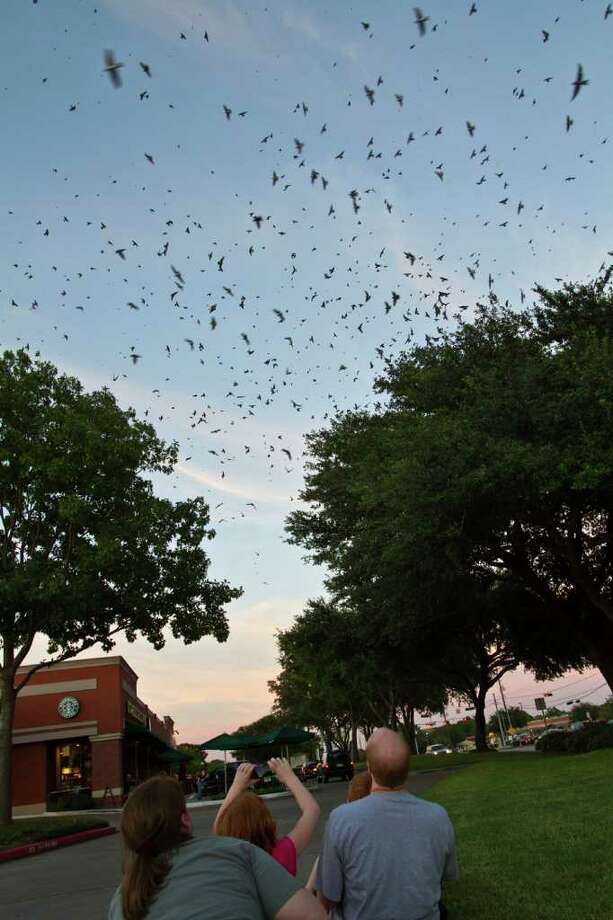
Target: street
x,y
78,881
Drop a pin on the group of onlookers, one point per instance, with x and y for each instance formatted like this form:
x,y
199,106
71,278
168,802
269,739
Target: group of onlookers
x,y
384,856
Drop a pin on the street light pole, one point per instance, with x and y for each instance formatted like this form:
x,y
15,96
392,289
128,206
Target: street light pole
x,y
502,733
504,703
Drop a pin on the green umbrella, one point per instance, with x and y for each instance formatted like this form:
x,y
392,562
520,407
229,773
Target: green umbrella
x,y
287,735
225,743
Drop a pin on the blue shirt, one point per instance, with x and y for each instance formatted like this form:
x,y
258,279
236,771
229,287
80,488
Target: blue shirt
x,y
385,857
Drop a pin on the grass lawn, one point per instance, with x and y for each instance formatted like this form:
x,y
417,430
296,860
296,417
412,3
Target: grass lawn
x,y
29,830
445,761
438,761
534,834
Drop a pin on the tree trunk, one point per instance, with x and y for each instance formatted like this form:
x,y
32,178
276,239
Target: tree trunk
x,y
598,638
354,741
7,710
480,723
410,731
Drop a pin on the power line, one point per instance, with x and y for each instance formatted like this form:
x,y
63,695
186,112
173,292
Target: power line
x,y
518,696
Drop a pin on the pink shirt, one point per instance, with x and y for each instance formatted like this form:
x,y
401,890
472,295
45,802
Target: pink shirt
x,y
284,851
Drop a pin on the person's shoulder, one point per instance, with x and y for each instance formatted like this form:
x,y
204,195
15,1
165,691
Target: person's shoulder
x,y
432,810
115,912
350,811
210,846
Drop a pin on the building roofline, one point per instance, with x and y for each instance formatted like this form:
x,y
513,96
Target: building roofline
x,y
74,663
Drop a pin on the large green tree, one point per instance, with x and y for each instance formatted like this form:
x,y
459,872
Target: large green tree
x,y
492,457
342,671
87,551
440,624
518,718
508,423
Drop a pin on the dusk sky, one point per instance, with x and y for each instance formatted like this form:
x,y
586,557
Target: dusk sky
x,y
104,189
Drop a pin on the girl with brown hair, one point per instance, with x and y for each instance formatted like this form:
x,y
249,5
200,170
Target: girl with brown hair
x,y
245,815
170,874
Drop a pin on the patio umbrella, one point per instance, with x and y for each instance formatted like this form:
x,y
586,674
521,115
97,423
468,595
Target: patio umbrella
x,y
286,735
225,743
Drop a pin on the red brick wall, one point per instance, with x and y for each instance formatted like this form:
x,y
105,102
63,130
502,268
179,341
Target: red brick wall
x,y
107,765
104,705
29,773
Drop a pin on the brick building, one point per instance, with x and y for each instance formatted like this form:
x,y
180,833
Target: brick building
x,y
80,728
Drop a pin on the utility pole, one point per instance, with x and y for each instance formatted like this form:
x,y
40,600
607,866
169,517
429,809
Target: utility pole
x,y
504,703
502,732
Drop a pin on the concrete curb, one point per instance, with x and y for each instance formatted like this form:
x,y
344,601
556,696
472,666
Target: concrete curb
x,y
100,812
53,843
211,804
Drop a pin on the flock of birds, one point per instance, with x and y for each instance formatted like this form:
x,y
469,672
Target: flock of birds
x,y
358,310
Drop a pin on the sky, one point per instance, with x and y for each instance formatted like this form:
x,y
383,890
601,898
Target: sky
x,y
104,190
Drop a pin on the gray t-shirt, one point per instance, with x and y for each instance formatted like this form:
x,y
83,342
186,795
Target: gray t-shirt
x,y
219,878
385,856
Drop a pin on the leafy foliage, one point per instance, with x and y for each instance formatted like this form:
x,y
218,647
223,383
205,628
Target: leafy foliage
x,y
553,743
471,516
519,718
86,549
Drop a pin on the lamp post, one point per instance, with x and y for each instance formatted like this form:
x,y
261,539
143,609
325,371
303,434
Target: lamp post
x,y
502,732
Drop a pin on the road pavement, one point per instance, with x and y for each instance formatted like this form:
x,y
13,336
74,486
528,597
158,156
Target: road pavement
x,y
78,881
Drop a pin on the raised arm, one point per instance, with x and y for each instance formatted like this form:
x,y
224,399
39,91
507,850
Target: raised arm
x,y
306,824
239,784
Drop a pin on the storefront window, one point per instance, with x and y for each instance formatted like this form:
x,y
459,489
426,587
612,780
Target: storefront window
x,y
73,762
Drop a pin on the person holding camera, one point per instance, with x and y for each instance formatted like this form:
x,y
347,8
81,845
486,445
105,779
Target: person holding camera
x,y
244,815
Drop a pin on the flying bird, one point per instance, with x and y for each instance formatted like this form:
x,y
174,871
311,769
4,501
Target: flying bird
x,y
146,68
112,67
578,82
420,20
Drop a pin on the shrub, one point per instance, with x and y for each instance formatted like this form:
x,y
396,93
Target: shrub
x,y
553,743
601,739
579,742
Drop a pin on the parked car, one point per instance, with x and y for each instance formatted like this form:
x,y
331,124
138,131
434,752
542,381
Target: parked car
x,y
438,749
522,739
336,764
552,731
309,770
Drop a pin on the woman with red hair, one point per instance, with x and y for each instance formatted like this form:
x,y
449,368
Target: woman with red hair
x,y
244,815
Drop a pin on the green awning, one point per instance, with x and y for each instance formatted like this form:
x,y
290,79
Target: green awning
x,y
174,756
142,733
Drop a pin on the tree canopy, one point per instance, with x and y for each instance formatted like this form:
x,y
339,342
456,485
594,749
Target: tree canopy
x,y
87,550
471,512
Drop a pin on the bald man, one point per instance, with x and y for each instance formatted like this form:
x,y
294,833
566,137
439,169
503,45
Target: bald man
x,y
384,857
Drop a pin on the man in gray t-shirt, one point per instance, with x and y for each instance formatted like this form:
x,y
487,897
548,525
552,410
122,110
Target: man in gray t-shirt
x,y
386,855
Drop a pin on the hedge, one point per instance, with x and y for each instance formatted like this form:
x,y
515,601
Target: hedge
x,y
591,737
